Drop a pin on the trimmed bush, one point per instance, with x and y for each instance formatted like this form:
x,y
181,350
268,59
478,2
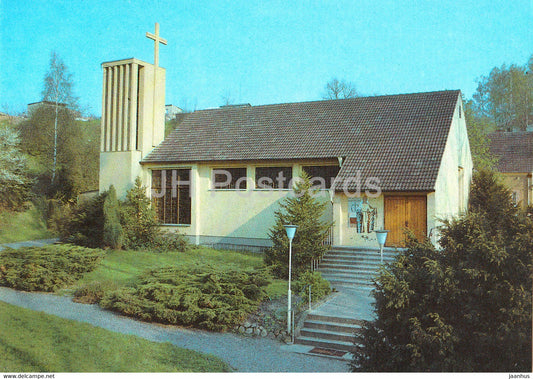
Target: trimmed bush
x,y
92,292
200,297
46,268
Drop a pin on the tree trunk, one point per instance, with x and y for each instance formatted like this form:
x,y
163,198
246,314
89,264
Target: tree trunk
x,y
55,149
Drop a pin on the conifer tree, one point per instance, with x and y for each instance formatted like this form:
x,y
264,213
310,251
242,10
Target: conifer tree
x,y
305,211
138,218
463,307
113,234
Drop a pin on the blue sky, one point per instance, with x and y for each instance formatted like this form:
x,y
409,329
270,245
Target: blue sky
x,y
263,52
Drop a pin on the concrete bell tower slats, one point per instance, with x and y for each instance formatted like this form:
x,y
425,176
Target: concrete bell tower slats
x,y
132,144
133,117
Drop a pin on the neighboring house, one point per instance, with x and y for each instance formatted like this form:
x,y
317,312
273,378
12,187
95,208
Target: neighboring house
x,y
171,111
33,106
398,161
514,151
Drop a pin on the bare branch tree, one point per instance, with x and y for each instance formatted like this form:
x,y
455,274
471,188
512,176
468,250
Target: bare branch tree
x,y
342,89
58,89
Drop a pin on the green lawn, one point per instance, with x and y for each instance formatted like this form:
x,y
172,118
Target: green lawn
x,y
121,268
33,341
22,226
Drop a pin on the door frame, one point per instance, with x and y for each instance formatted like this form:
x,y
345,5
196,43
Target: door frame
x,y
403,195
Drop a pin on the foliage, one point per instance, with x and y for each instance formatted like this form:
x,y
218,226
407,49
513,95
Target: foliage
x,y
70,346
139,219
113,232
464,307
505,96
23,226
15,184
491,198
202,297
58,83
305,211
342,89
84,225
46,268
478,129
78,150
320,287
121,268
92,292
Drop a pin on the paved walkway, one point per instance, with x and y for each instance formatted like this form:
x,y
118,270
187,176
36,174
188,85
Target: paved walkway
x,y
16,245
245,354
349,302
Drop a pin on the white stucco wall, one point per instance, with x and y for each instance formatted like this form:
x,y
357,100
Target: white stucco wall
x,y
245,216
444,203
348,236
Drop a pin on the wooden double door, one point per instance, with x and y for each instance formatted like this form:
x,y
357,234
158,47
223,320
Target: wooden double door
x,y
405,212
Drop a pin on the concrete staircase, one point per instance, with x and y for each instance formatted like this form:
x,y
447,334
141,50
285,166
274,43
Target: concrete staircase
x,y
328,332
346,266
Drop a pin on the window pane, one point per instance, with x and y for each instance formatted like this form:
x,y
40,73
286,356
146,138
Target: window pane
x,y
273,177
227,178
172,207
327,173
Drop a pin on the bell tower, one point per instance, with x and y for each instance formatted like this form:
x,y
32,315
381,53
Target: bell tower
x,y
133,117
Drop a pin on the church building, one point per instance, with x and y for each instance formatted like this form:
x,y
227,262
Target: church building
x,y
382,162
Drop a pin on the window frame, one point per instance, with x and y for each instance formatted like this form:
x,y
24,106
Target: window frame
x,y
280,168
186,190
233,182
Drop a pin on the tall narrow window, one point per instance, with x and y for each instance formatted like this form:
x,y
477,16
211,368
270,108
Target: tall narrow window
x,y
171,197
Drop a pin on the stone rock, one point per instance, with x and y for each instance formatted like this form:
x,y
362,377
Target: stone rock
x,y
247,324
249,330
257,331
242,329
264,333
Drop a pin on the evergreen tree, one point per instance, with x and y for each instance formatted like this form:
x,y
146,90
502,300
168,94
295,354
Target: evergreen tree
x,y
139,219
113,234
305,211
463,307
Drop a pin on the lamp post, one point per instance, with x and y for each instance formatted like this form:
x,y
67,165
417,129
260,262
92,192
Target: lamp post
x,y
382,237
290,230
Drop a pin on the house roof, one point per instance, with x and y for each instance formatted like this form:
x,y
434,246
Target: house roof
x,y
399,139
514,150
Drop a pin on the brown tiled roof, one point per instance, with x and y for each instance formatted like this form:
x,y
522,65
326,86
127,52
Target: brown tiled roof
x,y
514,150
399,138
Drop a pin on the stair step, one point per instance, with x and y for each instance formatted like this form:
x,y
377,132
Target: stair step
x,y
356,258
362,249
335,326
351,284
318,342
334,319
329,335
348,271
349,276
350,265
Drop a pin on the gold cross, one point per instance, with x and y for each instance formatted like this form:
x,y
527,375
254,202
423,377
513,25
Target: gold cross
x,y
156,39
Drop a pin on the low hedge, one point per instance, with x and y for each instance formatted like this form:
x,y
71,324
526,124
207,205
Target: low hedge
x,y
201,297
46,268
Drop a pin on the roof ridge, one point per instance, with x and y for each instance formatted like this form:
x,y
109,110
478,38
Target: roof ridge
x,y
458,91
